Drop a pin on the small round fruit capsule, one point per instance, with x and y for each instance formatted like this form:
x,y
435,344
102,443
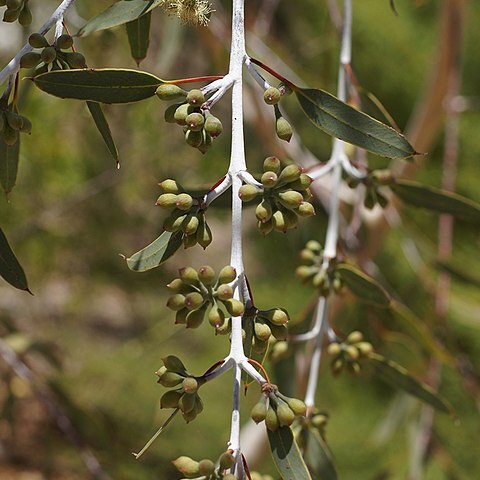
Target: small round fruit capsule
x,y
259,411
64,42
216,317
193,300
187,466
334,349
166,200
30,60
355,337
168,91
227,274
11,16
184,201
206,467
170,186
285,414
75,60
283,129
176,302
248,192
213,126
272,164
290,173
272,95
264,211
224,291
194,121
262,331
206,275
234,307
49,54
170,399
181,113
271,419
195,97
25,17
188,275
269,179
194,138
290,199
37,40
305,209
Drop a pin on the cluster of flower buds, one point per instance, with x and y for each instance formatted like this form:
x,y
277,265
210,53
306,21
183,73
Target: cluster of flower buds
x,y
17,10
313,271
11,123
187,214
268,325
373,183
285,196
348,354
206,469
185,397
201,294
52,57
276,409
272,96
199,125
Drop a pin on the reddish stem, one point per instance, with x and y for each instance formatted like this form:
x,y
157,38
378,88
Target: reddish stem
x,y
260,367
208,78
271,71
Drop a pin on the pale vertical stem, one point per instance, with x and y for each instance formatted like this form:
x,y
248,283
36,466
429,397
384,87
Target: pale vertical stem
x,y
234,442
317,353
14,64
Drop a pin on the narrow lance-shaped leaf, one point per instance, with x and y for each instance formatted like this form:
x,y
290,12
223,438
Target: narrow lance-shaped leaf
x,y
340,120
10,268
102,126
436,199
119,13
317,456
156,253
9,155
286,455
398,377
108,85
363,286
138,32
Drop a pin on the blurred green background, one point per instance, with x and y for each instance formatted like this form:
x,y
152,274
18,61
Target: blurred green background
x,y
72,213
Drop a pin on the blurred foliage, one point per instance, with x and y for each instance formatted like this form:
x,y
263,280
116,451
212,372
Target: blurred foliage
x,y
72,213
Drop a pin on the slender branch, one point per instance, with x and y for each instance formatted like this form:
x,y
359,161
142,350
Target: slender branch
x,y
57,16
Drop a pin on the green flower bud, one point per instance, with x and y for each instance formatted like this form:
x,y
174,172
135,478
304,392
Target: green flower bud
x,y
204,234
272,164
181,113
290,173
277,316
213,126
10,136
285,414
259,346
206,274
383,177
75,60
304,272
184,201
189,241
297,406
177,286
365,348
187,466
224,291
25,17
262,331
190,385
37,40
170,186
305,209
278,221
195,97
307,256
234,307
168,91
319,421
181,316
227,275
216,317
248,192
354,368
193,301
195,318
279,350
271,419
176,302
170,379
188,275
161,371
264,211
303,182
174,221
26,126
259,410
174,364
194,138
194,121
314,246
190,225
224,329
226,461
265,227
49,54
355,337
290,199
334,349
170,399
64,42
11,16
337,365
206,467
283,129
190,416
30,60
206,142
166,200
320,280
14,4
352,352
269,179
271,96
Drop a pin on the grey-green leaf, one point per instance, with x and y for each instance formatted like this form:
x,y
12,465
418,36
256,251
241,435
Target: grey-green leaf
x,y
9,155
362,285
317,456
340,120
156,253
102,126
398,377
119,13
108,85
286,455
10,268
138,32
432,198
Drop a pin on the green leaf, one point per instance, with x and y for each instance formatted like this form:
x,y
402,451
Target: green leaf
x,y
10,268
432,198
9,155
459,273
363,286
419,331
286,455
156,253
138,32
350,125
398,377
108,85
102,126
119,13
317,456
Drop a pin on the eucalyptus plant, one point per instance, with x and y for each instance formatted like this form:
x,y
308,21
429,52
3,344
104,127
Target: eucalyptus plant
x,y
284,198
